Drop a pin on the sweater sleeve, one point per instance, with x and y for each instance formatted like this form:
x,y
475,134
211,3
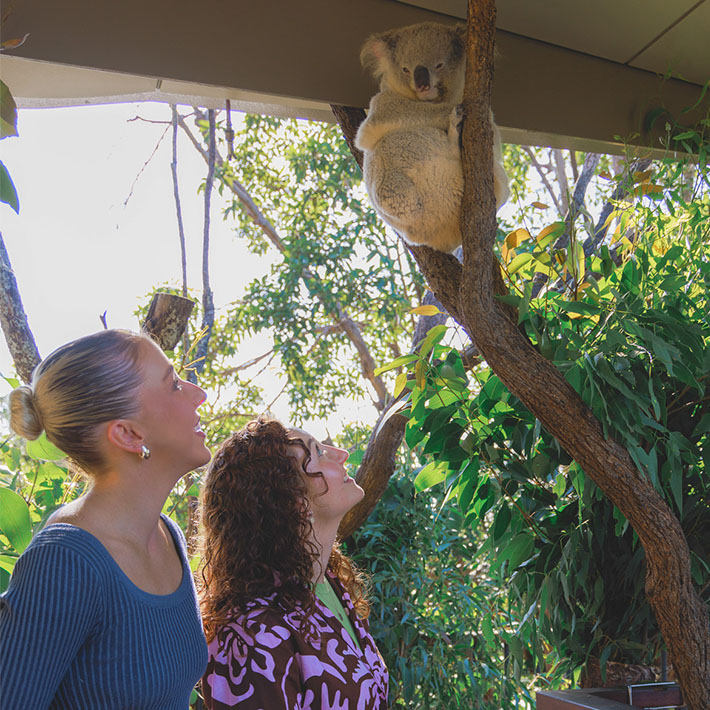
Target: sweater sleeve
x,y
46,615
253,666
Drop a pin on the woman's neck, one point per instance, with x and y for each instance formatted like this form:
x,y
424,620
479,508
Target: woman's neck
x,y
324,536
121,506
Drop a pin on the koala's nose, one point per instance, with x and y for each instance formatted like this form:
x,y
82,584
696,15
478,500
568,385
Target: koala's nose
x,y
421,78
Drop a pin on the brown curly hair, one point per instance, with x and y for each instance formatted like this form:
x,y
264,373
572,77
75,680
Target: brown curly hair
x,y
257,535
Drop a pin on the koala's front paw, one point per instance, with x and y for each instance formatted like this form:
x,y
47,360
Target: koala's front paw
x,y
456,120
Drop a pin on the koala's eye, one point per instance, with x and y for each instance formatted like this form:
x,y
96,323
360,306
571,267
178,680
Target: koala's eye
x,y
440,65
405,70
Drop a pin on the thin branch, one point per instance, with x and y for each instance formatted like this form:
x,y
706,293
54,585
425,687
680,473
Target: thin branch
x,y
148,120
191,375
178,208
573,163
543,177
245,365
591,161
619,193
207,299
561,175
145,165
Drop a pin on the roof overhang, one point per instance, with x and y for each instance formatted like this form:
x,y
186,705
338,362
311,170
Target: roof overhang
x,y
295,58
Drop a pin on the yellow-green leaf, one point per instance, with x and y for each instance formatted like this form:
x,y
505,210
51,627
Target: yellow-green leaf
x,y
427,310
519,262
13,43
399,384
43,449
516,237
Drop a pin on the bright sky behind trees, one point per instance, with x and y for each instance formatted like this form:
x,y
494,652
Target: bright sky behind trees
x,y
97,228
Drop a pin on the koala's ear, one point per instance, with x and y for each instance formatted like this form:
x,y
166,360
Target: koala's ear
x,y
459,39
377,50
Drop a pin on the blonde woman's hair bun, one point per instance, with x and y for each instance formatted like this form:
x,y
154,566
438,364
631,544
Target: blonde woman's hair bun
x,y
24,417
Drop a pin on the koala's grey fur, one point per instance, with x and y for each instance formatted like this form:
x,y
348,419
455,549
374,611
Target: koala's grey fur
x,y
410,138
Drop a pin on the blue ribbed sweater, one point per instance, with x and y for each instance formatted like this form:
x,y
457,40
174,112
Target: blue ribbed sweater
x,y
77,634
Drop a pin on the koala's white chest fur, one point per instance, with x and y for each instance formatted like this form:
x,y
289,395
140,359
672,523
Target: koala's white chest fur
x,y
412,163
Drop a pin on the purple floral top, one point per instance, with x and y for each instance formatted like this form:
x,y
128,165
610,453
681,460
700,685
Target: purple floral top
x,y
278,669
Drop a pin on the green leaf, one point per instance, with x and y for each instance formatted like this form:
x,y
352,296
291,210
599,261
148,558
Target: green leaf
x,y
398,362
432,338
7,563
501,522
685,135
8,193
15,519
12,381
487,630
518,550
431,475
560,485
8,113
399,384
519,262
581,307
44,450
355,459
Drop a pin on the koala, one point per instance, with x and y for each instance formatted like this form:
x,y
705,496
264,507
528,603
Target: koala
x,y
411,136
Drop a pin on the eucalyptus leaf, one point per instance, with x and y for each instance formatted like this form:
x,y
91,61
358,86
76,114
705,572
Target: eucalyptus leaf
x,y
43,449
15,519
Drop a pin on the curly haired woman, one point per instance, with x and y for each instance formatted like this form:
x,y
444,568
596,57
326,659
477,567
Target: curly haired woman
x,y
284,610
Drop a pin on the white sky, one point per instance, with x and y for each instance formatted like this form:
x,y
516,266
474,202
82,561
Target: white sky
x,y
77,250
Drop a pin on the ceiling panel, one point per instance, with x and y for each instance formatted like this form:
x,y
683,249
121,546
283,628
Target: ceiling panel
x,y
684,49
609,29
288,58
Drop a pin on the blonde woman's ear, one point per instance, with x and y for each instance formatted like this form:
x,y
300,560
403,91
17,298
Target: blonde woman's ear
x,y
123,435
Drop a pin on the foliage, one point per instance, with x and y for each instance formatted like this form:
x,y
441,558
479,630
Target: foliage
x,y
630,332
8,129
34,482
429,600
335,261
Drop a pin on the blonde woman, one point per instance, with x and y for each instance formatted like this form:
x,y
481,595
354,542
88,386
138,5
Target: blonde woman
x,y
101,609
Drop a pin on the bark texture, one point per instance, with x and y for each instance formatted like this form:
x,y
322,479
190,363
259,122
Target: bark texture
x,y
19,338
376,468
167,319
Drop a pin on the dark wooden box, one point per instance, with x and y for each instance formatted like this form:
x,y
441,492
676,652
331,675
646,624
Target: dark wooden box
x,y
651,695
